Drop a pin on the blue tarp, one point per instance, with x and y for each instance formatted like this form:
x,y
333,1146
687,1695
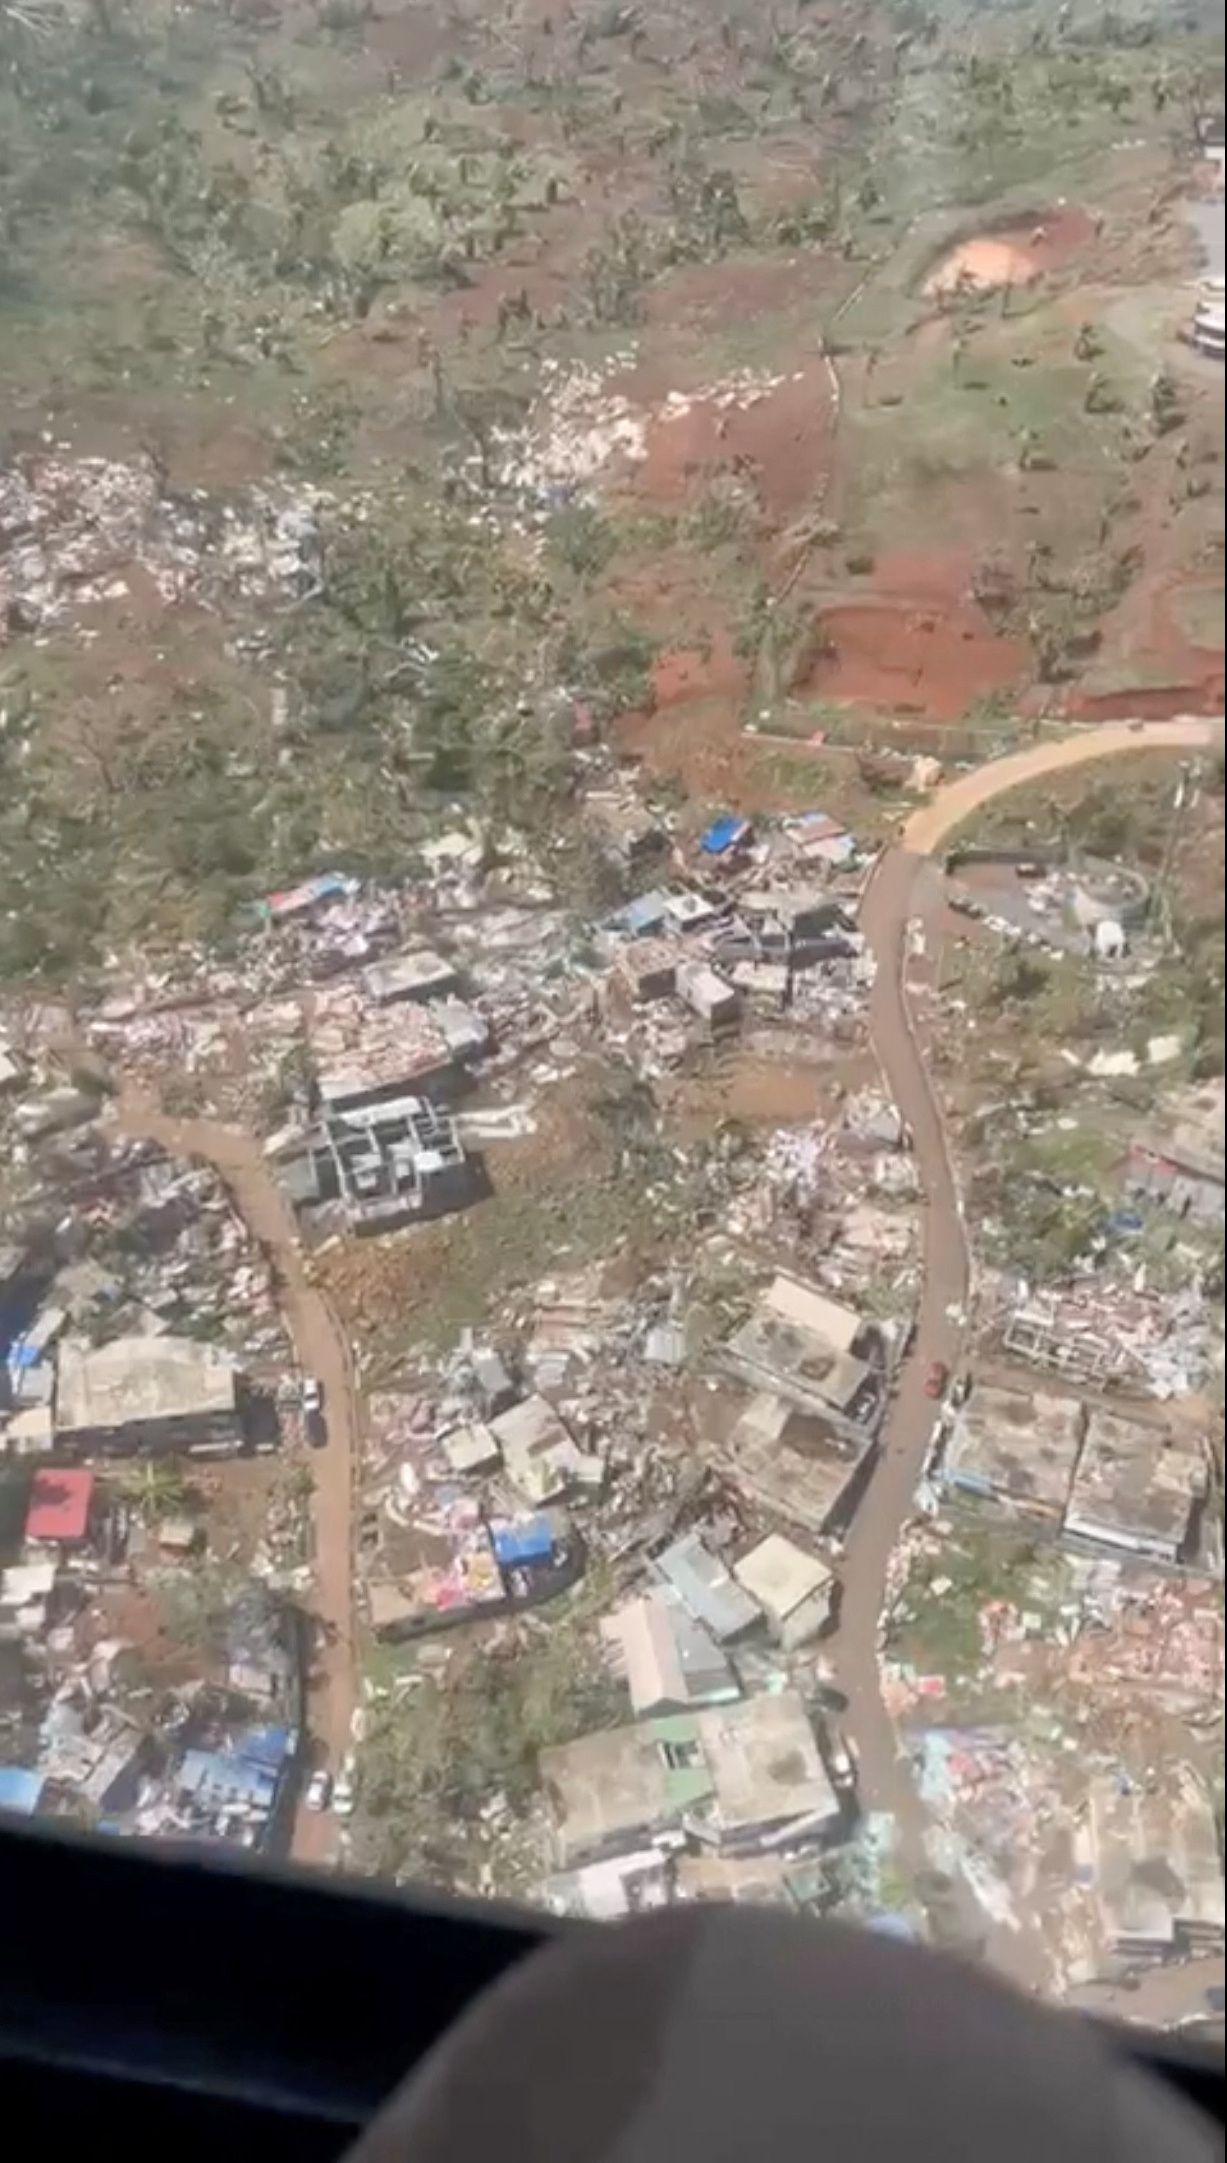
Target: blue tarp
x,y
265,1747
20,1790
518,1544
724,834
644,913
216,1777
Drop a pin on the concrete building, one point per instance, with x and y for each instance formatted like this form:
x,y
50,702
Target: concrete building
x,y
420,975
1015,1447
686,912
785,1348
737,1777
150,1393
711,997
1152,1857
385,1164
784,1461
792,1588
540,1456
1138,1487
706,1589
670,1663
472,1449
647,969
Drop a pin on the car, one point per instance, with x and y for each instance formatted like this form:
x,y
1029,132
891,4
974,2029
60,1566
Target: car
x,y
319,1790
312,1395
316,1430
343,1792
937,1378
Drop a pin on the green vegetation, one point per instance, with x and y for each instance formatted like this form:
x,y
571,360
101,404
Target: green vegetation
x,y
446,1747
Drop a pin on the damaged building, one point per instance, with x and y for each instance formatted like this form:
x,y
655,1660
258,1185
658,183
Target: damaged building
x,y
1181,1167
383,1165
1152,1859
734,1778
1139,1488
1015,1447
146,1393
805,1348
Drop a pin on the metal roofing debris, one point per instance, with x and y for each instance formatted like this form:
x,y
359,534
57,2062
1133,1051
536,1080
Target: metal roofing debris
x,y
298,900
135,1381
472,1448
705,1586
60,1503
541,1457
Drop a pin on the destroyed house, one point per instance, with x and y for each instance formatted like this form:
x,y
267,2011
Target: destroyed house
x,y
1138,1487
386,1164
262,1649
419,975
1183,1169
540,1456
1015,1447
1153,1860
735,1777
147,1393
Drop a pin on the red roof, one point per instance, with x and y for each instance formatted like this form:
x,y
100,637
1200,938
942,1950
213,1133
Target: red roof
x,y
59,1505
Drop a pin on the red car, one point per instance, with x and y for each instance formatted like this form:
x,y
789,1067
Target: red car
x,y
936,1379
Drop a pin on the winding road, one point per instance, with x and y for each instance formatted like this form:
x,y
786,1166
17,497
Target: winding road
x,y
322,1350
891,898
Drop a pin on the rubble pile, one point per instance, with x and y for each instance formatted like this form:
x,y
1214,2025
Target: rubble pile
x,y
73,532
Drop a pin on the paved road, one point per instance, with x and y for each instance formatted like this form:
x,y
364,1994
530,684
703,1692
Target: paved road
x,y
892,897
322,1350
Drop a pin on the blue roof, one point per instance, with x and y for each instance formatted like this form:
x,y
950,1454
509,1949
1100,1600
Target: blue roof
x,y
531,1540
20,1790
887,1925
265,1747
644,912
724,833
220,1776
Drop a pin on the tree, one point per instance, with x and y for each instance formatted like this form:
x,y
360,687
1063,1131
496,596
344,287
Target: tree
x,y
154,1486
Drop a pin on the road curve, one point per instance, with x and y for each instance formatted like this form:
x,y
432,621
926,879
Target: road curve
x,y
930,827
322,1350
886,1778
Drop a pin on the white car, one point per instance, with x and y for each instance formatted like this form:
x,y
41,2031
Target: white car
x,y
343,1792
319,1790
312,1395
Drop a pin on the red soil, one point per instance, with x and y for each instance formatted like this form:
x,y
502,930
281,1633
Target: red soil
x,y
922,656
1014,254
780,442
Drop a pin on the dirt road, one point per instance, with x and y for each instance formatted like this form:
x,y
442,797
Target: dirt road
x,y
322,1351
892,898
929,828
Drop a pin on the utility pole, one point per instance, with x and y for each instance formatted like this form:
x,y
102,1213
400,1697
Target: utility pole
x,y
1187,791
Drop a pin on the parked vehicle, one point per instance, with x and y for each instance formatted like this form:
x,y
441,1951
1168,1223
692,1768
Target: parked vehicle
x,y
319,1790
936,1379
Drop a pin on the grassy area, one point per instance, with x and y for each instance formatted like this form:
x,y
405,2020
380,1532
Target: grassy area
x,y
937,1628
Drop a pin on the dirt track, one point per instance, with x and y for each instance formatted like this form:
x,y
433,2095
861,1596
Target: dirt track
x,y
928,828
885,1776
322,1350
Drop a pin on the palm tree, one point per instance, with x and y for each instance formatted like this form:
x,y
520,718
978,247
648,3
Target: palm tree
x,y
154,1486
